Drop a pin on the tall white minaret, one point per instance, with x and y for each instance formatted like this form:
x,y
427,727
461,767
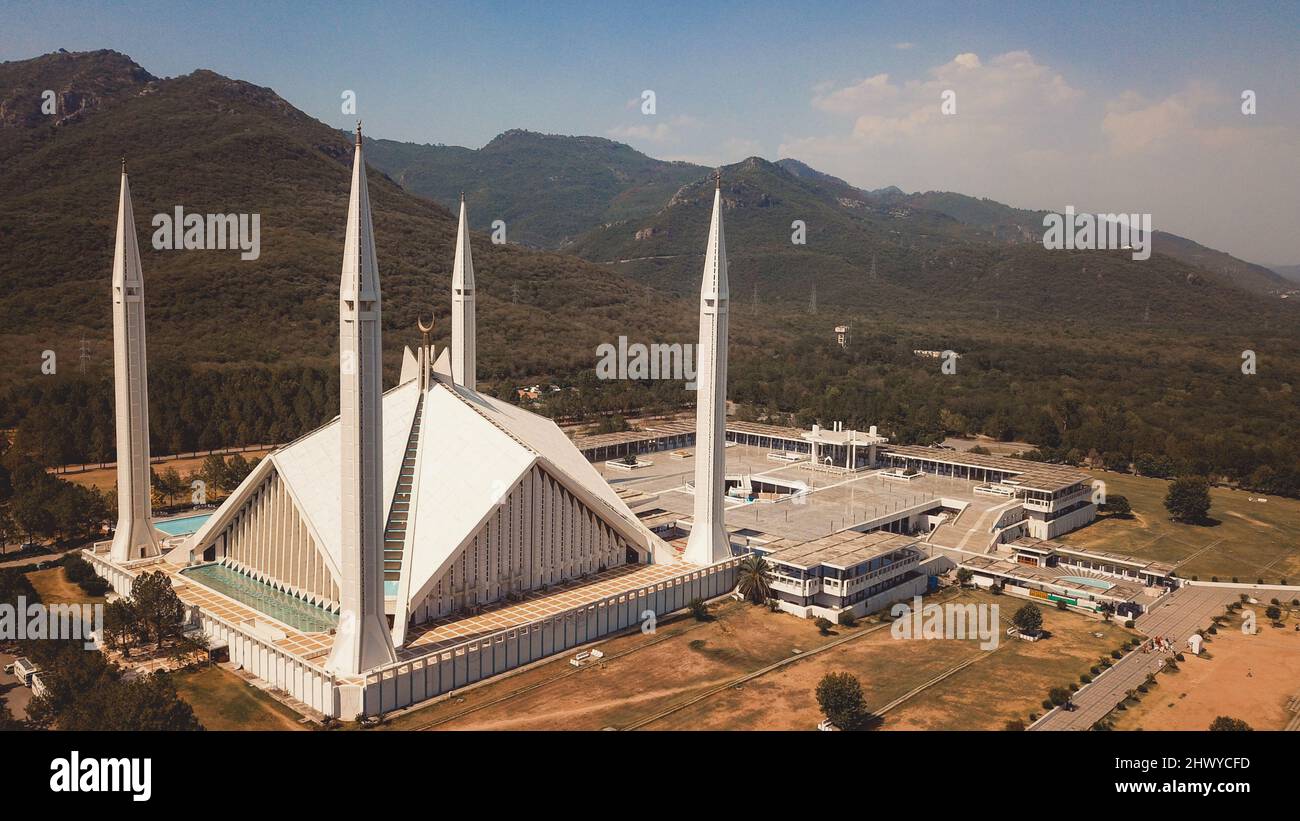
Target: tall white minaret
x,y
463,368
708,541
134,537
362,640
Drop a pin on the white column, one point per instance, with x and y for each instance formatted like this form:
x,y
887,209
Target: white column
x,y
134,537
708,542
362,641
463,330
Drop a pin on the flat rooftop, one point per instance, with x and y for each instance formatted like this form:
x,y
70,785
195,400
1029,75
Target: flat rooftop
x,y
1043,545
1028,474
842,550
674,427
1041,476
1057,576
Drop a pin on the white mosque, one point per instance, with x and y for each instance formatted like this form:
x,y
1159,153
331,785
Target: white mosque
x,y
415,543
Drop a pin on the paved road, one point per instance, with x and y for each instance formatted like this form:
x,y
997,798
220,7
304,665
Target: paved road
x,y
1177,616
39,557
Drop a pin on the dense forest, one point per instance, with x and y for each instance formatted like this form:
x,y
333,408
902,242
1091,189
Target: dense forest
x,y
1161,403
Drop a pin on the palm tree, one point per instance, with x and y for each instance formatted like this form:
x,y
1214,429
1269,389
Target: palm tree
x,y
753,578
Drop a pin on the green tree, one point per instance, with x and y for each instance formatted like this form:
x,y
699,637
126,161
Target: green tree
x,y
823,625
214,474
1188,499
169,484
1229,724
32,514
964,575
839,695
121,625
753,578
1028,619
1118,506
157,606
237,470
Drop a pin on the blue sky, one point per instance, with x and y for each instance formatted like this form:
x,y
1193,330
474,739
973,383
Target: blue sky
x,y
1105,106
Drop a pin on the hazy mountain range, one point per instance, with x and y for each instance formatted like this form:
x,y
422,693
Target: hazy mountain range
x,y
216,145
574,193
615,236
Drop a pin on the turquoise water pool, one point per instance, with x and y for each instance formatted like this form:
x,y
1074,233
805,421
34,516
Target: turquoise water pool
x,y
183,526
1086,582
262,597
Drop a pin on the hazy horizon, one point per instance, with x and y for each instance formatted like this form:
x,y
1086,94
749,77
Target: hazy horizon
x,y
1106,109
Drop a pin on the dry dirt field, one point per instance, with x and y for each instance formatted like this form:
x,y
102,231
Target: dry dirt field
x,y
666,681
1246,677
54,588
683,659
224,701
999,685
106,478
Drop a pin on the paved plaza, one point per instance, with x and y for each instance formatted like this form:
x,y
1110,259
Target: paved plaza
x,y
834,500
1176,617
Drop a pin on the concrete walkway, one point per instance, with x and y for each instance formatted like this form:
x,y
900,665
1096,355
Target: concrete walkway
x,y
1176,617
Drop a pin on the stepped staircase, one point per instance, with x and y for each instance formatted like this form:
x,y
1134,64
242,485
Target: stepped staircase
x,y
395,530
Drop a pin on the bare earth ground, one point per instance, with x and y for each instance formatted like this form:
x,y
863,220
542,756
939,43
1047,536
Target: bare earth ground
x,y
224,701
106,478
685,659
1006,683
1250,540
665,668
1246,677
54,588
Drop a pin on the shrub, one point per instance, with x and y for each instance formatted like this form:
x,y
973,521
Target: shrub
x,y
848,619
699,609
1229,724
824,626
1085,678
839,695
1058,695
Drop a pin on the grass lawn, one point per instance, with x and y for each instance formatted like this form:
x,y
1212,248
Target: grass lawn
x,y
224,701
54,588
1250,540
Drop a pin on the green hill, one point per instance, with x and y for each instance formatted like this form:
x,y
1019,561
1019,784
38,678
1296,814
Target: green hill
x,y
864,251
547,188
217,145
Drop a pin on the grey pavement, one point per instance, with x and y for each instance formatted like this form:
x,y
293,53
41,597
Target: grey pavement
x,y
1176,617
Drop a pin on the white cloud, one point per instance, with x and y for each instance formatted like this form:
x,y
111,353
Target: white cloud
x,y
655,131
1025,135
